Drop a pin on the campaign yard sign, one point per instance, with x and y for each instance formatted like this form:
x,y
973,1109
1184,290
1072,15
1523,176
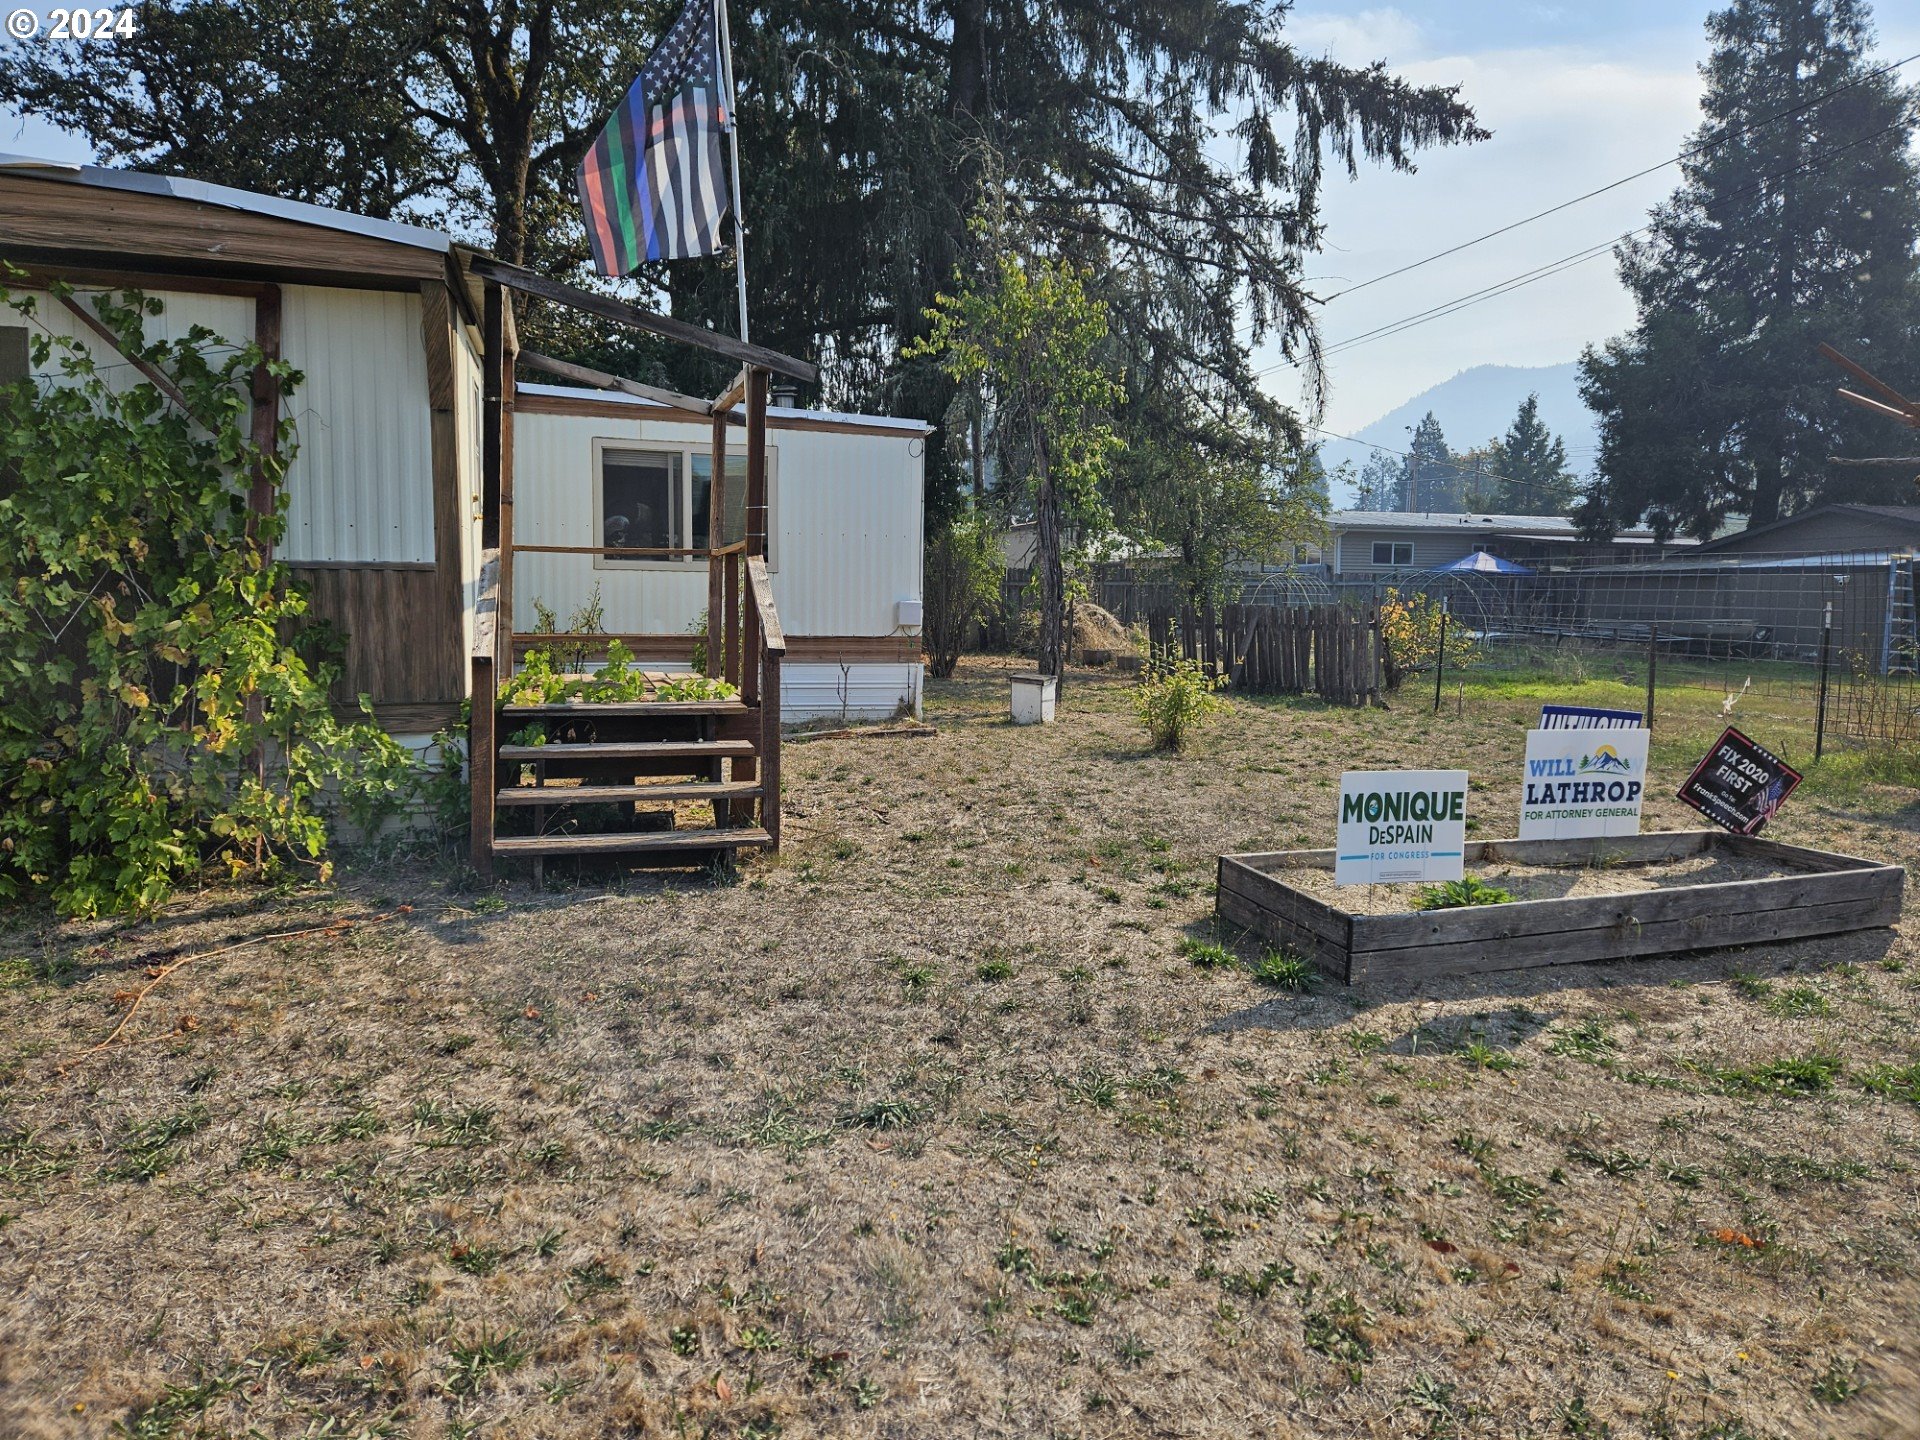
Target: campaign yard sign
x,y
1400,825
1583,782
1583,717
1740,784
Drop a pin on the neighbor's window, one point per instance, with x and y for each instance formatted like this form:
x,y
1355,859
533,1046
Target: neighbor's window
x,y
1393,552
658,498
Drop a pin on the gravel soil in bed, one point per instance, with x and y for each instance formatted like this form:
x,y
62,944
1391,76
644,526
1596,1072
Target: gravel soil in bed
x,y
1539,882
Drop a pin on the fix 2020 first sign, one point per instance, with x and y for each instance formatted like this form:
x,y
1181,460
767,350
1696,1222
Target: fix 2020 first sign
x,y
1401,825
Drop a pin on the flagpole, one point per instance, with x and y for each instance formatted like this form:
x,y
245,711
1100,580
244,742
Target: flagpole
x,y
733,136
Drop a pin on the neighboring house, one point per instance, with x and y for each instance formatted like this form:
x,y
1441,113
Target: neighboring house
x,y
1826,530
390,512
1368,543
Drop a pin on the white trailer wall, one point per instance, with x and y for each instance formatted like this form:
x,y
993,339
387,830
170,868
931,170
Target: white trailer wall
x,y
360,488
845,540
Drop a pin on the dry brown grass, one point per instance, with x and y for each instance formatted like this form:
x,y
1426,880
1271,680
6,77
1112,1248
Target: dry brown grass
x,y
928,1130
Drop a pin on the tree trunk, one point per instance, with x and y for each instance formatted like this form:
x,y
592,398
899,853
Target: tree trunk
x,y
1052,574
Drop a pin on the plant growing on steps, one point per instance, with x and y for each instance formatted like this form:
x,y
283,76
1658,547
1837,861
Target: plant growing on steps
x,y
537,682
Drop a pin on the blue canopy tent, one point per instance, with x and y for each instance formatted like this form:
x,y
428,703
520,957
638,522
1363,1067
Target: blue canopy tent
x,y
1481,563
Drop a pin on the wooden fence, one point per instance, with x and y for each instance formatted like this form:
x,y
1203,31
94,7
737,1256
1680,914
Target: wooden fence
x,y
1327,650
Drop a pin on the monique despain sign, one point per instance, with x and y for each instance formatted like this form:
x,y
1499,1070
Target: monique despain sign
x,y
1402,817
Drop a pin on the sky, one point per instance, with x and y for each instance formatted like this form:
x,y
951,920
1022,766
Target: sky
x,y
1577,96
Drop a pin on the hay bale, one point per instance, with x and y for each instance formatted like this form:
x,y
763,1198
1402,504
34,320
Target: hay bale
x,y
1097,636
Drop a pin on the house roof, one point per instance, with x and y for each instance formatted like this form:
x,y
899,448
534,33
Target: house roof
x,y
775,413
200,192
1902,515
1534,527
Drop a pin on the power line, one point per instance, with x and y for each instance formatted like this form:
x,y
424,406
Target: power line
x,y
1685,154
1565,262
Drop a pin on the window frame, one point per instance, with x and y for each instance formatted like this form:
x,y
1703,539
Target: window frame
x,y
686,450
1393,549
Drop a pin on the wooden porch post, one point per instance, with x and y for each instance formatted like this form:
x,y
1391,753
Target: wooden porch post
x,y
266,405
716,538
756,523
493,370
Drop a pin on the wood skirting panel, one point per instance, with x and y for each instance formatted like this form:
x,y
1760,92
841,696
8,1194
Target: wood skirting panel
x,y
403,642
854,649
404,719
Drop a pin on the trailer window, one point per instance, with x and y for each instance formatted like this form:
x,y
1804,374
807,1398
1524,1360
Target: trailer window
x,y
658,498
641,505
1393,552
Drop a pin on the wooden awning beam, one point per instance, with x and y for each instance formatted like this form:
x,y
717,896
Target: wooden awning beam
x,y
602,380
733,394
1872,381
1905,417
606,307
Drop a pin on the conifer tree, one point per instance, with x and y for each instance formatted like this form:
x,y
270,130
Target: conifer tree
x,y
1784,232
1530,463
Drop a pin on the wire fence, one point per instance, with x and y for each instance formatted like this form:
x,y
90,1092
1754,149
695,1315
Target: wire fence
x,y
1836,631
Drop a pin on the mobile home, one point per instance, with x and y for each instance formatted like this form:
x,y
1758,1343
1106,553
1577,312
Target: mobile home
x,y
415,441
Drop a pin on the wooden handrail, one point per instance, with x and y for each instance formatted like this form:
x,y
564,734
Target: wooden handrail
x,y
772,638
635,552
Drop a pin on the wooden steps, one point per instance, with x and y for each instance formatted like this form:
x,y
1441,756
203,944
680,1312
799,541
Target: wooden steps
x,y
721,790
627,750
743,837
647,709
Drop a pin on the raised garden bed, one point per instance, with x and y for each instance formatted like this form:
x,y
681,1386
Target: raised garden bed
x,y
1576,900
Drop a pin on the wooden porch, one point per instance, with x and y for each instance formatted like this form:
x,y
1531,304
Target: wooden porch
x,y
663,781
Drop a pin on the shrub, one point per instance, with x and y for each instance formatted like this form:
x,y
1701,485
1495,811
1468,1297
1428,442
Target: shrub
x,y
1457,893
1410,628
1174,695
963,578
156,714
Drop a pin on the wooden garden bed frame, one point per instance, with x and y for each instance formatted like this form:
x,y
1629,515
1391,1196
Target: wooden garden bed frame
x,y
1817,893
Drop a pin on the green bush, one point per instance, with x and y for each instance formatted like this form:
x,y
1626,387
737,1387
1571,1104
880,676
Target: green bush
x,y
1174,695
157,717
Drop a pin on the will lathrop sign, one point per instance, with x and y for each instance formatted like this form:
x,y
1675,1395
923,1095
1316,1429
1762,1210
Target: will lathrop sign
x,y
1583,782
1401,825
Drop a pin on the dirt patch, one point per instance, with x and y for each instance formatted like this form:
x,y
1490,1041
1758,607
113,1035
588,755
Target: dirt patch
x,y
1538,882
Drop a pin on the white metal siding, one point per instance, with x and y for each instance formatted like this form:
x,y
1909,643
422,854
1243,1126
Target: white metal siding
x,y
847,517
361,485
468,401
1431,548
228,316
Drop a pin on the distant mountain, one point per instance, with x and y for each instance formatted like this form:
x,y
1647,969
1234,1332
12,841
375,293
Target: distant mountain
x,y
1476,406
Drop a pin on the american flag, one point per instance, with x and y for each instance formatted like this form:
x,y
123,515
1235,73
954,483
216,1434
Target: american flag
x,y
651,183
